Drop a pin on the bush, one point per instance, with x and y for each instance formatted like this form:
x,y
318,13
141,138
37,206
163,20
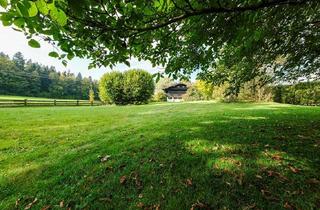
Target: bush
x,y
138,86
111,88
130,87
306,93
192,94
159,96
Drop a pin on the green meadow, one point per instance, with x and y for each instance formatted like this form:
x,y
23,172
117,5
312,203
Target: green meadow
x,y
196,155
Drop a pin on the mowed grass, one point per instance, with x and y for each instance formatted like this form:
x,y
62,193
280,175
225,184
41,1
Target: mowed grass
x,y
161,156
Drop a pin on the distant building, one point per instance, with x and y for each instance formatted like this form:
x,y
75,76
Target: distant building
x,y
174,93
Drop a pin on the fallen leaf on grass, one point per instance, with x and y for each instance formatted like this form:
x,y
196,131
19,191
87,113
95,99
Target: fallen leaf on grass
x,y
276,157
288,206
294,170
123,179
18,202
136,178
249,207
277,174
199,205
189,182
258,176
31,204
46,207
105,158
140,205
313,181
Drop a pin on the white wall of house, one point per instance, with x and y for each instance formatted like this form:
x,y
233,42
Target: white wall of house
x,y
172,99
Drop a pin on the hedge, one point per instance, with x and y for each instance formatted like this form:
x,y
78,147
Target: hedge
x,y
306,93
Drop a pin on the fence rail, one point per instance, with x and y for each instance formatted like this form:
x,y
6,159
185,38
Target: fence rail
x,y
35,102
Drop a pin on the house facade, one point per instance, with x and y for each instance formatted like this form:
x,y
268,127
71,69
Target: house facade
x,y
175,93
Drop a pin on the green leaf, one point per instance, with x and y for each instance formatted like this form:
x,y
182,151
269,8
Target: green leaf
x,y
42,7
58,15
22,10
53,54
4,3
6,17
6,23
148,11
127,63
65,63
70,56
32,10
33,43
19,22
27,8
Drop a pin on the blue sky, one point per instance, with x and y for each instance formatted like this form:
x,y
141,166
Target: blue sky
x,y
12,41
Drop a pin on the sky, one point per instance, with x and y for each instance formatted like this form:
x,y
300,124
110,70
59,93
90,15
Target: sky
x,y
12,41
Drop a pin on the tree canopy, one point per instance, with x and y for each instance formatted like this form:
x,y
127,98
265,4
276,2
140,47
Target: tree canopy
x,y
246,37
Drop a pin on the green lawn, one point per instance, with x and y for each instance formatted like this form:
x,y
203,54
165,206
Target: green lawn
x,y
172,156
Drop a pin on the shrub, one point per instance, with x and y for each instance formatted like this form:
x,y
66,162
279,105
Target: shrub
x,y
159,96
138,86
111,88
192,94
130,87
306,93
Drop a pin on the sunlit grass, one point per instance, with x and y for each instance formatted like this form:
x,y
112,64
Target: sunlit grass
x,y
172,155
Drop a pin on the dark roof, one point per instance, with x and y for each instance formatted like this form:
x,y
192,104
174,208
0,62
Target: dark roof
x,y
176,87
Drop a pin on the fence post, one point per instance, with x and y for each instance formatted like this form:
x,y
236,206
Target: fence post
x,y
77,102
25,102
54,102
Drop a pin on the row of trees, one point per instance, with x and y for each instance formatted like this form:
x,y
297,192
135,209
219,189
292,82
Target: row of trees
x,y
19,76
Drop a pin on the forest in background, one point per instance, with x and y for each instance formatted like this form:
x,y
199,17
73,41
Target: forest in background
x,y
22,77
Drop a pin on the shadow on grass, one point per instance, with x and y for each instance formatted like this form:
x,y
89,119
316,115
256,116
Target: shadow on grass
x,y
265,159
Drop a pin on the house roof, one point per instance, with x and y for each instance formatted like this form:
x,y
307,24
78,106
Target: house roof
x,y
177,87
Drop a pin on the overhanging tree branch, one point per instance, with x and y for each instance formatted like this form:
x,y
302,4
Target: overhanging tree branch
x,y
215,10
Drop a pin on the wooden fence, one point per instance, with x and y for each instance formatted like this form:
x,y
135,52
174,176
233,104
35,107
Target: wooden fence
x,y
31,102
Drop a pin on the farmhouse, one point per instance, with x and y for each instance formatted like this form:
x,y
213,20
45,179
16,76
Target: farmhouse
x,y
174,93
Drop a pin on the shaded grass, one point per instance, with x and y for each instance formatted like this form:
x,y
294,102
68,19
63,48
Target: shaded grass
x,y
175,156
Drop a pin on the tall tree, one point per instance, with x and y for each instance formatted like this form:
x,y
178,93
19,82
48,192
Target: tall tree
x,y
19,61
8,80
79,85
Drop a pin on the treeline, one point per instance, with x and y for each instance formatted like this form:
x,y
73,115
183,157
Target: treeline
x,y
254,90
26,78
303,93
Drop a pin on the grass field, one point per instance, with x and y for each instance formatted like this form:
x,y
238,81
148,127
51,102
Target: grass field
x,y
161,156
